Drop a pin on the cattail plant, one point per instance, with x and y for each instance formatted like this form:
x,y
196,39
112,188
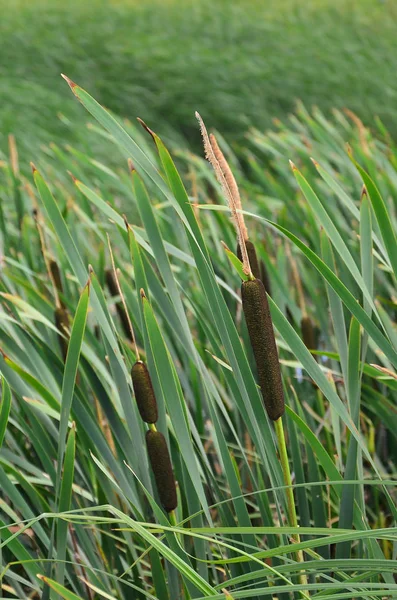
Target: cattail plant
x,y
140,376
260,329
308,333
61,315
259,322
56,276
156,444
160,462
113,289
255,304
159,456
62,323
144,393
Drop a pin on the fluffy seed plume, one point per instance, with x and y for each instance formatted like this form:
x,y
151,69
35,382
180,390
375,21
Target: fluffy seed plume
x,y
231,182
144,393
229,187
160,461
260,330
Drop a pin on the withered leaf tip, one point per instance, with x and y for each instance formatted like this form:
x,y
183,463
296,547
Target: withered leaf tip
x,y
74,179
146,127
70,83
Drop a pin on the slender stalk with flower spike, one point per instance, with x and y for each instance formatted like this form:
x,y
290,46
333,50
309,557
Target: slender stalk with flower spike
x,y
259,323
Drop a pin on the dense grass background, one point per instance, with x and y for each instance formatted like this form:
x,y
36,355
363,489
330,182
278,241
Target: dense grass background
x,y
71,435
239,63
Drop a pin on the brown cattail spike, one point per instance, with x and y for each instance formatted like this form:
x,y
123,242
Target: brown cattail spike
x,y
56,276
160,461
308,333
114,291
253,258
62,323
144,393
260,329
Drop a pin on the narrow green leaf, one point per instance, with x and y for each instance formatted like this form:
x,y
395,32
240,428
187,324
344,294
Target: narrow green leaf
x,y
57,587
382,215
65,498
4,408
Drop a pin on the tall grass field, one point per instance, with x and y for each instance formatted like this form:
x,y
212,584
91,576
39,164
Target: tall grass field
x,y
198,362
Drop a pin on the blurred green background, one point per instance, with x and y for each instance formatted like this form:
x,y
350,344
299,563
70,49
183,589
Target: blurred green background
x,y
239,63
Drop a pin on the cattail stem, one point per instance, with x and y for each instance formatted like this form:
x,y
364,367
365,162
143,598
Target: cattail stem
x,y
172,518
252,256
292,518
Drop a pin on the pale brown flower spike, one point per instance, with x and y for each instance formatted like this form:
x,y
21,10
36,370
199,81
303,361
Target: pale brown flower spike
x,y
227,172
229,186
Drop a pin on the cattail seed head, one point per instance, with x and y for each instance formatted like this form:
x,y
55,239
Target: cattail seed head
x,y
56,275
252,256
144,393
114,291
160,461
308,333
260,330
289,315
111,282
62,323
